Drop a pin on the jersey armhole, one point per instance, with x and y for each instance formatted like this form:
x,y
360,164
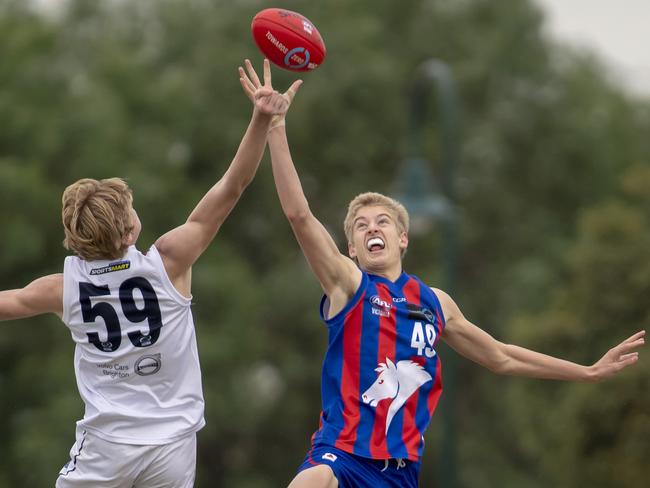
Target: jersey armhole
x,y
439,311
324,302
164,278
67,291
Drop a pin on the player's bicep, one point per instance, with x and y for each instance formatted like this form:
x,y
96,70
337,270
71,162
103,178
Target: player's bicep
x,y
476,345
43,295
332,269
467,339
181,247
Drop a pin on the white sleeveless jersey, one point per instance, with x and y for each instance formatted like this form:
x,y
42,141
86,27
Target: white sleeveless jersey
x,y
136,359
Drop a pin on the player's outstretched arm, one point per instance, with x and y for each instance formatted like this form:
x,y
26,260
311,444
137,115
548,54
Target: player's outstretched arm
x,y
479,346
43,295
338,275
182,246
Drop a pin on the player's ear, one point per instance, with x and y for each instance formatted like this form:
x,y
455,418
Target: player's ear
x,y
403,240
127,239
352,252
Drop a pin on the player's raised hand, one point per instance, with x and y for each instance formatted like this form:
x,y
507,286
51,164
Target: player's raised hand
x,y
274,104
250,82
619,357
264,97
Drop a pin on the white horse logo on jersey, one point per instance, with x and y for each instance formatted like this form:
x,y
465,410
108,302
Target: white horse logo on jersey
x,y
397,382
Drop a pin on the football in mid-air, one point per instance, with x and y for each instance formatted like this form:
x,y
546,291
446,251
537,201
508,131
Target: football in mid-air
x,y
288,39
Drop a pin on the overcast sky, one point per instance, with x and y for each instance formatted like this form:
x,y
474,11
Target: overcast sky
x,y
618,30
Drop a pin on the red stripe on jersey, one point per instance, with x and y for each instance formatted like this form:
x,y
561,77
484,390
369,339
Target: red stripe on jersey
x,y
411,291
436,391
387,344
411,436
350,377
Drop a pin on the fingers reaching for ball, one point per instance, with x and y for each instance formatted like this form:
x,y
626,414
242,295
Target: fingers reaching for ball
x,y
267,72
251,83
293,89
264,97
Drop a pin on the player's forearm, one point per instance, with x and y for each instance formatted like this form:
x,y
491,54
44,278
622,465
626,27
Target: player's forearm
x,y
292,197
221,198
250,152
524,362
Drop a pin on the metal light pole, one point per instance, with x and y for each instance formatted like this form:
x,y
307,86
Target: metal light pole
x,y
424,204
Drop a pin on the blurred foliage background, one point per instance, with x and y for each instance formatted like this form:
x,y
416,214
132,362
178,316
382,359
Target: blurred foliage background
x,y
553,194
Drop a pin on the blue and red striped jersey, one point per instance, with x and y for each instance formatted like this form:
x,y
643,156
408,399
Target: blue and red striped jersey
x,y
381,377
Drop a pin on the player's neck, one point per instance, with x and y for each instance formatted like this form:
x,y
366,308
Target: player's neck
x,y
391,274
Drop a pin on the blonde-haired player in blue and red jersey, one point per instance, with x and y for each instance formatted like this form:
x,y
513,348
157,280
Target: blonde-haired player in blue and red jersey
x,y
381,375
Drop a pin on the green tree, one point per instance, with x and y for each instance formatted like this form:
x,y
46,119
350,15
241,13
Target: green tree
x,y
593,434
148,90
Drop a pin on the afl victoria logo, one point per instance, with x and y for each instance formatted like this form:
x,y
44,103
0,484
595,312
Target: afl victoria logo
x,y
147,365
377,301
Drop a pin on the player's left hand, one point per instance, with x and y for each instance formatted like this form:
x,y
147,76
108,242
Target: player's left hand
x,y
619,357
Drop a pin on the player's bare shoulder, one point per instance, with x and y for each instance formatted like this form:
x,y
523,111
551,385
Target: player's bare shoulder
x,y
449,307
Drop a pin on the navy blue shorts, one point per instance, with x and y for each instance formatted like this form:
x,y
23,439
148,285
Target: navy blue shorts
x,y
359,472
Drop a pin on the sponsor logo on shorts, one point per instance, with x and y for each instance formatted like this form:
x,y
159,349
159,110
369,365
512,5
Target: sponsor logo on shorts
x,y
119,266
329,456
147,365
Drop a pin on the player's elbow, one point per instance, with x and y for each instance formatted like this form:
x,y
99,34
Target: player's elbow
x,y
500,361
297,217
237,187
234,185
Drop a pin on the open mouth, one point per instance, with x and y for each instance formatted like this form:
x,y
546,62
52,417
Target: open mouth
x,y
375,244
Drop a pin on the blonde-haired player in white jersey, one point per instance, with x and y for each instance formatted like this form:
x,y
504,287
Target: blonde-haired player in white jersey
x,y
136,358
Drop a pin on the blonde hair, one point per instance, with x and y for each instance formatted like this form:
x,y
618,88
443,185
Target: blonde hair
x,y
372,199
96,218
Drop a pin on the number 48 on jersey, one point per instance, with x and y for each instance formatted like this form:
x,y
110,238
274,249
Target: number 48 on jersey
x,y
423,339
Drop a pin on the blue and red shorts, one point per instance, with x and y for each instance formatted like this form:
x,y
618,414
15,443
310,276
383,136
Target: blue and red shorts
x,y
353,471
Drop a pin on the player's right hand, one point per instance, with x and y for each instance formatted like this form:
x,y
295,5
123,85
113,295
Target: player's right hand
x,y
264,97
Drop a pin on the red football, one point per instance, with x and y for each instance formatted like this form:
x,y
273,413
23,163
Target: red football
x,y
288,39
